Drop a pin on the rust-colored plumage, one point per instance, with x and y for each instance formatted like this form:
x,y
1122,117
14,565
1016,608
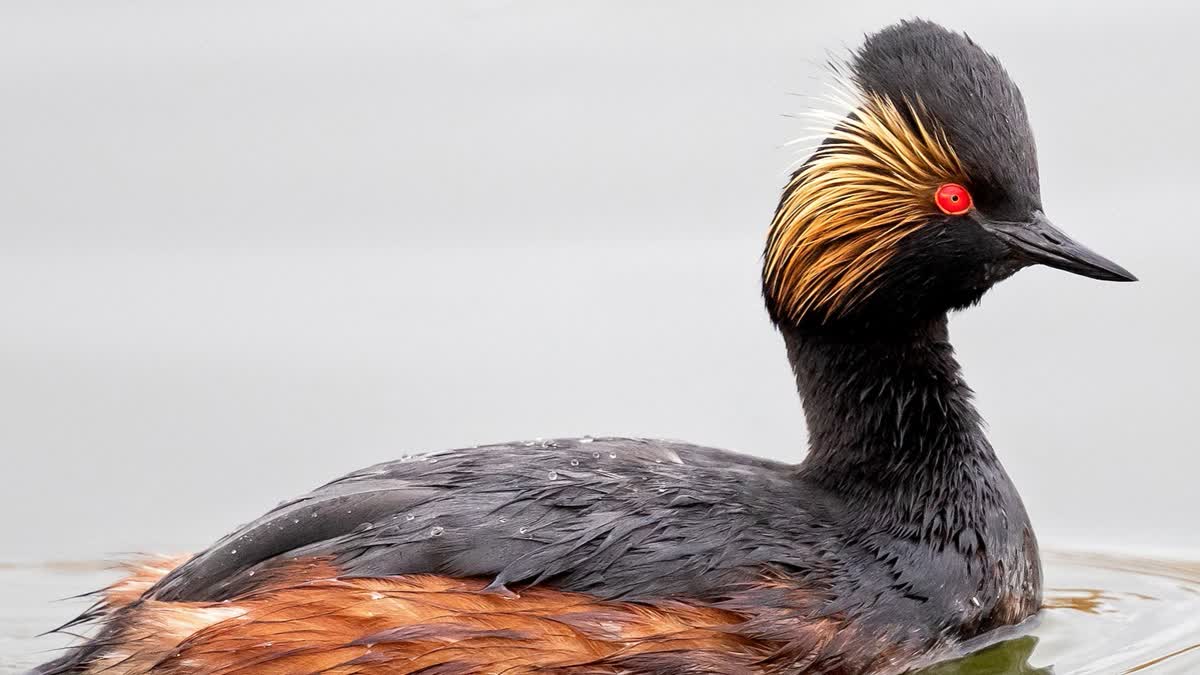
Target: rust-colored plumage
x,y
869,185
303,618
141,575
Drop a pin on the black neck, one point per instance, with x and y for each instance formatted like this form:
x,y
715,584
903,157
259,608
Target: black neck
x,y
891,425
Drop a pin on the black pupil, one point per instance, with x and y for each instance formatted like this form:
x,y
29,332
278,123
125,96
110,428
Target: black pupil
x,y
953,198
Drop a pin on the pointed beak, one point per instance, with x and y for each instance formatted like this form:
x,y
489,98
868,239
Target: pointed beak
x,y
1039,241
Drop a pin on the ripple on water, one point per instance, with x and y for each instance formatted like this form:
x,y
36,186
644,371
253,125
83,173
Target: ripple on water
x,y
1104,615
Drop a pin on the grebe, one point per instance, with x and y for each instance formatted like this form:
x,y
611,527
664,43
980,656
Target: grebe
x,y
899,536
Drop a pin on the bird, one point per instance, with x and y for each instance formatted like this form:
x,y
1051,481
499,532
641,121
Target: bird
x,y
898,537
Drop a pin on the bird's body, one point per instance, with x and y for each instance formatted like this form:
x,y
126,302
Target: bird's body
x,y
773,565
897,537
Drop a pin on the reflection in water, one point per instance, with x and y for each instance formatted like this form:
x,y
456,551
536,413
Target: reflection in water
x,y
1086,600
1103,615
1010,657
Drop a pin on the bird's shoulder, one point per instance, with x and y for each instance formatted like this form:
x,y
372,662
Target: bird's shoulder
x,y
617,517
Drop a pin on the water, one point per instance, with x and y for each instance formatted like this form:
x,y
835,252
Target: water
x,y
1105,615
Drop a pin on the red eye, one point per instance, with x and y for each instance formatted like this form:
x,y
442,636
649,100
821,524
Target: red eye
x,y
953,199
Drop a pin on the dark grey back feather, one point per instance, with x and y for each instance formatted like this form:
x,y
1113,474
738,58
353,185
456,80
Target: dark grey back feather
x,y
617,517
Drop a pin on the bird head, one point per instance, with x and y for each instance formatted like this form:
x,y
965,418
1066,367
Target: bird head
x,y
920,198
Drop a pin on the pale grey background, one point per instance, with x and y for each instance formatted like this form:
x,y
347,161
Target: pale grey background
x,y
249,246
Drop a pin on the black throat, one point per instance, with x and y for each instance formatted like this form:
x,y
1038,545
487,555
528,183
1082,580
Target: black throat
x,y
892,429
896,444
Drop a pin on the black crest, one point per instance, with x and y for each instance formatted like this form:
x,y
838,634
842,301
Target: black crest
x,y
971,97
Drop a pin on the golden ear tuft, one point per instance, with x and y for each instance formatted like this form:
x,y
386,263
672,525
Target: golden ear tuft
x,y
869,185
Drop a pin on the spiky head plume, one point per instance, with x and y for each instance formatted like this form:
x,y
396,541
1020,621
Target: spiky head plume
x,y
869,185
924,109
